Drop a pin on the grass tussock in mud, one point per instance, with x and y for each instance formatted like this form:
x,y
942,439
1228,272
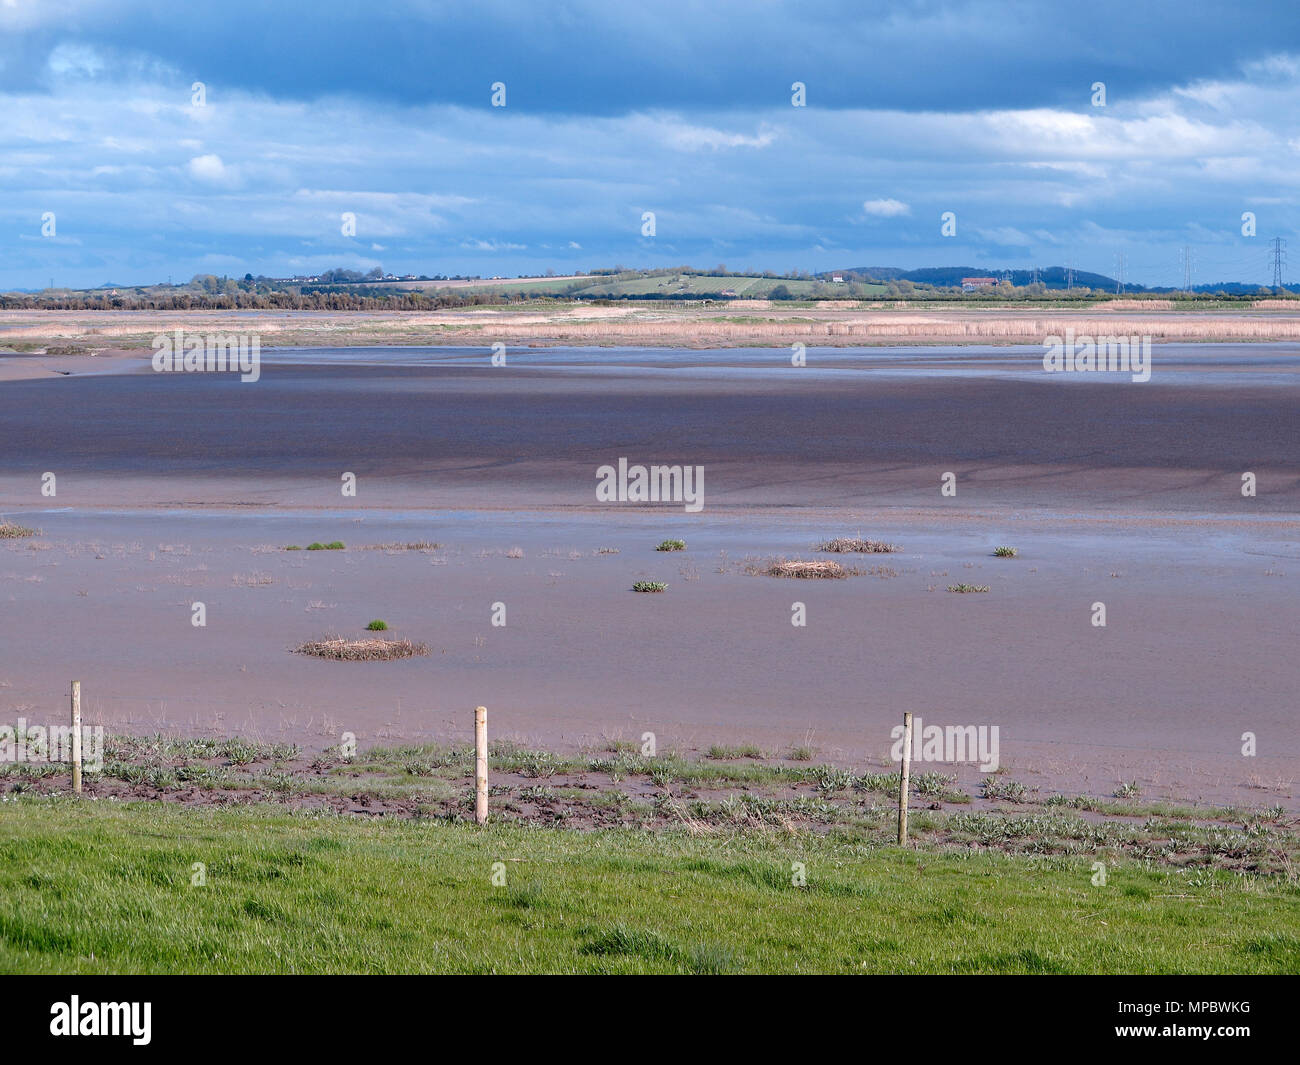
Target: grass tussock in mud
x,y
857,545
371,650
814,569
13,531
825,569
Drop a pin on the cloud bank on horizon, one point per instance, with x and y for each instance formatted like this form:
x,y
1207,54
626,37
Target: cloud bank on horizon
x,y
310,112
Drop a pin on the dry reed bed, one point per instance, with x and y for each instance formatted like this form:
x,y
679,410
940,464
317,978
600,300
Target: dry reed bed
x,y
684,328
801,568
1028,330
1136,305
367,650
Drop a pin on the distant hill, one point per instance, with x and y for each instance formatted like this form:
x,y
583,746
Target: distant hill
x,y
1239,288
950,276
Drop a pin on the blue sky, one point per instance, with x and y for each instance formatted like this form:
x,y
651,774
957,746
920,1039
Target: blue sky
x,y
680,108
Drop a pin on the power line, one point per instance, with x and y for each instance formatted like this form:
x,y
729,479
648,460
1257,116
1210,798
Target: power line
x,y
1279,260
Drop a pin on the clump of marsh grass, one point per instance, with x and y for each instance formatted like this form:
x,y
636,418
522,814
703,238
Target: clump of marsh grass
x,y
1130,790
671,545
534,764
802,568
999,788
857,545
333,545
743,750
378,625
964,588
932,783
829,779
12,531
369,650
1005,552
649,586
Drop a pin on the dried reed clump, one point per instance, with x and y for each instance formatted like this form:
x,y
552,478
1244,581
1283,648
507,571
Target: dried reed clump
x,y
864,324
252,580
1136,305
857,545
370,650
11,531
936,326
794,567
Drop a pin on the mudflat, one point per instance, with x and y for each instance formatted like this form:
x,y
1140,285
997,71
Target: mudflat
x,y
445,428
178,488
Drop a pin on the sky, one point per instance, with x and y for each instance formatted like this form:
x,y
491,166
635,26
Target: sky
x,y
142,140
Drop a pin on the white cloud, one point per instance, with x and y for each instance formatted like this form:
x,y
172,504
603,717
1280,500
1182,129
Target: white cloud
x,y
886,208
209,168
474,244
685,136
75,60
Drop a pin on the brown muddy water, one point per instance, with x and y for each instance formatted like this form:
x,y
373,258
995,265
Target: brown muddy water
x,y
183,488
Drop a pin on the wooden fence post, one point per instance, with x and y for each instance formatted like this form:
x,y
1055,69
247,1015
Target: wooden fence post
x,y
76,737
480,765
905,779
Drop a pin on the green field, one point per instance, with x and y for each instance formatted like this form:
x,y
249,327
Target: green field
x,y
666,285
689,286
97,886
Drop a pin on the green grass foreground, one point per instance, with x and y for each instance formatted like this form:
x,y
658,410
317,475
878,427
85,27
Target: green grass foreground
x,y
105,887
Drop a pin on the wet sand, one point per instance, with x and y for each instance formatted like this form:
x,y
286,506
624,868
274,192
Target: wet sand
x,y
448,430
175,489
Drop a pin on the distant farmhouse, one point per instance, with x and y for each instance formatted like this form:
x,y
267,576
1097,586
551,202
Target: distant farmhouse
x,y
973,284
